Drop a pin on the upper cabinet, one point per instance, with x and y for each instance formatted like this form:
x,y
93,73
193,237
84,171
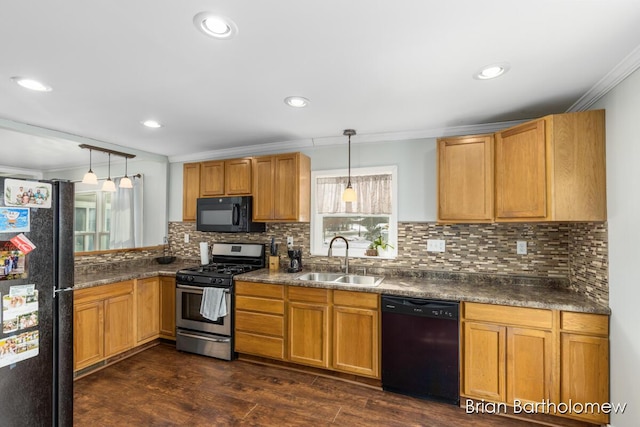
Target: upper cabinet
x,y
550,169
231,177
465,178
281,188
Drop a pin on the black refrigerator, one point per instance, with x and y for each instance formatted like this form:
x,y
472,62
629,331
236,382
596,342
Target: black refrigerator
x,y
36,274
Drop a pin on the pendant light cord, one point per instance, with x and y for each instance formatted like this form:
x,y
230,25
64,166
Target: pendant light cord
x,y
349,183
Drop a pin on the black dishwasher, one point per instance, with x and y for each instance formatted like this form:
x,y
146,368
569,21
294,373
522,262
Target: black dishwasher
x,y
420,348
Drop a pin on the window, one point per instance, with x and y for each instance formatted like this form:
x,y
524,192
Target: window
x,y
373,215
92,220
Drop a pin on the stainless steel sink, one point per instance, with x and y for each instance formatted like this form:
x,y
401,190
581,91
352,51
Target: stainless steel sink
x,y
343,279
353,279
321,277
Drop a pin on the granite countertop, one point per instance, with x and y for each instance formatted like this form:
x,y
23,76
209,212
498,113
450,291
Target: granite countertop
x,y
495,290
96,278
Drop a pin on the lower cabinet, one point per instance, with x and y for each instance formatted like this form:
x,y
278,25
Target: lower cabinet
x,y
147,309
103,322
329,329
521,356
259,320
356,333
168,307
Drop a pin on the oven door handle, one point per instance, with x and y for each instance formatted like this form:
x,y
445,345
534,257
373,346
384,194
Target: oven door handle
x,y
200,337
196,288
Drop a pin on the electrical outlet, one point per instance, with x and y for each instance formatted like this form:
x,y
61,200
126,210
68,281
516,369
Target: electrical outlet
x,y
289,241
434,245
521,247
186,237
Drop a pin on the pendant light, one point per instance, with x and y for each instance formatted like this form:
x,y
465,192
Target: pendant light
x,y
125,182
90,177
108,184
349,194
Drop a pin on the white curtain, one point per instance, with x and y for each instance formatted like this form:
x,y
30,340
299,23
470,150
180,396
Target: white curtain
x,y
126,215
373,194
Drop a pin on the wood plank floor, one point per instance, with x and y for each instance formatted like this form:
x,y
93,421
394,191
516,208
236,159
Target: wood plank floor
x,y
164,387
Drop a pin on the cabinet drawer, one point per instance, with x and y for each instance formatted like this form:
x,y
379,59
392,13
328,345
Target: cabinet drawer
x,y
260,345
259,290
519,316
585,322
103,291
260,323
262,305
308,294
355,299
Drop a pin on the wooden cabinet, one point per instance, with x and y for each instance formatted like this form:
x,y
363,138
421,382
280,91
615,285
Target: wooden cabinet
x,y
190,190
214,178
508,353
259,320
168,307
308,328
552,169
282,188
356,333
147,309
465,179
103,322
585,361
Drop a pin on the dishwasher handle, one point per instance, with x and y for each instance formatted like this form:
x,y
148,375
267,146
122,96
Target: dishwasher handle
x,y
420,307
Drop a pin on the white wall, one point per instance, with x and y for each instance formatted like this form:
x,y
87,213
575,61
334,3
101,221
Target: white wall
x,y
155,192
622,107
416,161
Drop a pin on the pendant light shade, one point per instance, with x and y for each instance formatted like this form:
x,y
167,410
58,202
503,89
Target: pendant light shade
x,y
125,182
108,184
349,194
90,177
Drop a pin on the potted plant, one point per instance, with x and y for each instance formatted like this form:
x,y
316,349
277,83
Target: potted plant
x,y
377,243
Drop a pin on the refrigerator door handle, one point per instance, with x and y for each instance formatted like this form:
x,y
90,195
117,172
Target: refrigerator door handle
x,y
55,291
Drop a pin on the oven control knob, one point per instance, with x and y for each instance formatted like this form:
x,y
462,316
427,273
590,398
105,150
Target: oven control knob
x,y
190,278
219,280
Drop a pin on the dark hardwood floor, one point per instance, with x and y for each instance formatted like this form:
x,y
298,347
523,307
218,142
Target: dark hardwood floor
x,y
163,387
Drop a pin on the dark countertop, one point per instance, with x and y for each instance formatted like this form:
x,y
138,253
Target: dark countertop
x,y
486,291
120,274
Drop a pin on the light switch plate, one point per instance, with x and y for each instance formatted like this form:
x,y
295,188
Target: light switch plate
x,y
186,237
521,247
435,245
289,241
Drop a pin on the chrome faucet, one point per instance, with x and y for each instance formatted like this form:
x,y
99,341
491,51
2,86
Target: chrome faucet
x,y
346,252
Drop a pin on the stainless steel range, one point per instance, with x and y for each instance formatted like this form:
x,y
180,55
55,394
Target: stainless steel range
x,y
196,333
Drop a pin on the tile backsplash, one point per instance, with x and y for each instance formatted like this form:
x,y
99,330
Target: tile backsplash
x,y
574,251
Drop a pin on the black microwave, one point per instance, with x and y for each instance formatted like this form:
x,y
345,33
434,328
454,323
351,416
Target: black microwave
x,y
227,215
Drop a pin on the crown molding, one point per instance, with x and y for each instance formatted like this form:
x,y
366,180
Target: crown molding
x,y
626,67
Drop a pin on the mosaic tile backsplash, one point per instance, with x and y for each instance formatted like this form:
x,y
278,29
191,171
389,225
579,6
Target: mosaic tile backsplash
x,y
574,251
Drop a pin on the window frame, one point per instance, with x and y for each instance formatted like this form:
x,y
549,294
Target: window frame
x,y
103,222
317,247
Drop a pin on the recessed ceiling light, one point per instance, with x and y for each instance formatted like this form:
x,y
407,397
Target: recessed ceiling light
x,y
31,84
492,71
152,124
217,26
296,101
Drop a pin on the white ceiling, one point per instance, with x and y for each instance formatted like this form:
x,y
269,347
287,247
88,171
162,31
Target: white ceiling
x,y
390,69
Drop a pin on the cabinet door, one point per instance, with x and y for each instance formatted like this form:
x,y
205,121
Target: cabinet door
x,y
212,178
168,307
530,365
520,172
88,334
585,372
147,309
484,361
308,334
118,324
286,186
465,178
190,190
237,176
356,341
262,169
